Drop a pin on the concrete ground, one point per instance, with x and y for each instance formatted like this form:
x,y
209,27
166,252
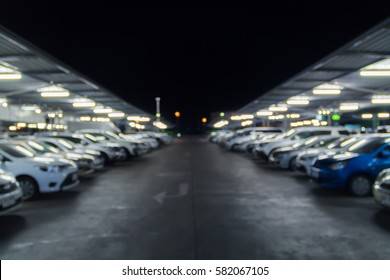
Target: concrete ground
x,y
193,200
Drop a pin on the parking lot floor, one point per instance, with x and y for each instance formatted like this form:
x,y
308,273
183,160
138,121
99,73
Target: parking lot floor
x,y
194,200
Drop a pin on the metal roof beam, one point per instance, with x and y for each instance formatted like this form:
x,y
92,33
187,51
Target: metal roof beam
x,y
13,57
366,53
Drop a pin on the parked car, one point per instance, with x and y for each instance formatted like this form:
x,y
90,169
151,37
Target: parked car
x,y
299,133
85,163
109,151
247,134
10,193
131,149
355,169
381,188
37,174
306,158
286,156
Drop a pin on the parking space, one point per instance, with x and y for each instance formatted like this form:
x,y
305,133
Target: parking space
x,y
193,200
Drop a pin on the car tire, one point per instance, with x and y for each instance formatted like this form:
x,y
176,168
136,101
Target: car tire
x,y
234,147
292,165
106,160
29,187
360,185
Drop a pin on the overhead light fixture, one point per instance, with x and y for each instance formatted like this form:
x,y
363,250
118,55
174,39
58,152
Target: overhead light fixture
x,y
367,116
160,125
8,73
278,108
116,115
327,89
264,113
380,99
293,116
83,103
242,117
221,124
349,106
53,91
276,117
377,69
102,110
138,119
298,100
383,115
29,107
247,123
85,118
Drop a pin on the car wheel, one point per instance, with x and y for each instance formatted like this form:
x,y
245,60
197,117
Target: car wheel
x,y
293,164
29,187
234,147
360,185
106,160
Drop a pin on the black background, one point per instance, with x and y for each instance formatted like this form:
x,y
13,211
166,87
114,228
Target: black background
x,y
199,58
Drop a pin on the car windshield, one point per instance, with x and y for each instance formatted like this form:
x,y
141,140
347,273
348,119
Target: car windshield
x,y
91,138
40,148
343,143
16,151
366,146
113,135
67,144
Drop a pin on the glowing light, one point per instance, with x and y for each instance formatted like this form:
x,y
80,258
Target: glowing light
x,y
367,116
160,125
177,114
204,120
349,106
102,110
242,117
377,69
383,115
327,88
264,113
279,108
12,128
53,91
298,100
85,118
380,99
247,123
221,124
7,73
116,115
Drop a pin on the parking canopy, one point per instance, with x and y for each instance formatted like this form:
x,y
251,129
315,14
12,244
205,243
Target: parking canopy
x,y
354,79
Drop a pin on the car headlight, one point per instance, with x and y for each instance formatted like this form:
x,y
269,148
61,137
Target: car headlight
x,y
50,168
338,165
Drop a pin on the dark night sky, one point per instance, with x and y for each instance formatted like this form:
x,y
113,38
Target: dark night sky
x,y
198,58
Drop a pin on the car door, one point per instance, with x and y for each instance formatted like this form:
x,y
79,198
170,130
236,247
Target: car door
x,y
381,160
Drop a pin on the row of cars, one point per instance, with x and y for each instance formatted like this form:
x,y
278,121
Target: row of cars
x,y
331,156
49,162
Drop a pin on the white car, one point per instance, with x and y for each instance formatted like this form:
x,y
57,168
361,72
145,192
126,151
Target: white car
x,y
246,135
103,135
10,193
37,174
152,143
300,133
71,152
110,151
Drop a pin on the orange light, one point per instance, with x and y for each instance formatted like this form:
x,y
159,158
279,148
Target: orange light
x,y
177,114
204,120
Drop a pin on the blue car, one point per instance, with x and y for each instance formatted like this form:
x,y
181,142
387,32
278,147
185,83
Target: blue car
x,y
355,169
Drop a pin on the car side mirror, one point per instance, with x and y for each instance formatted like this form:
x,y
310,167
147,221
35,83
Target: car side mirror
x,y
384,154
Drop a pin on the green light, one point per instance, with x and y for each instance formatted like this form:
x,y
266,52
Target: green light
x,y
336,117
158,115
222,114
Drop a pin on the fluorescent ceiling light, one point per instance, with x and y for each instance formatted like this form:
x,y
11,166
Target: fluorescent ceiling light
x,y
53,91
293,116
264,113
30,107
84,104
247,123
367,116
221,123
298,100
138,119
279,108
349,106
380,99
377,69
375,73
383,115
85,118
102,110
327,89
7,73
116,115
242,117
161,125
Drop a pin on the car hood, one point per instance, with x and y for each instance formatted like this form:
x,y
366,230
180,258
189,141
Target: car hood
x,y
339,157
46,161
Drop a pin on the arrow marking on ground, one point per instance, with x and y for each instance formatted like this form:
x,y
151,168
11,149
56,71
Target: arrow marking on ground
x,y
183,191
